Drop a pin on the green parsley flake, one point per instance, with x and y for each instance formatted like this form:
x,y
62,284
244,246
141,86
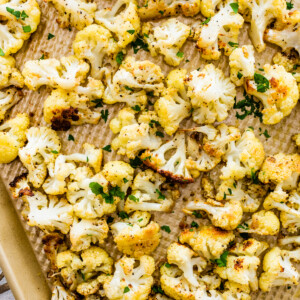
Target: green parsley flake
x,y
126,290
239,75
71,137
235,7
166,228
133,198
131,31
120,57
179,54
262,83
232,44
136,108
135,162
123,215
194,224
160,194
98,102
206,21
50,36
54,152
107,148
104,114
289,5
222,261
159,133
197,214
27,28
2,52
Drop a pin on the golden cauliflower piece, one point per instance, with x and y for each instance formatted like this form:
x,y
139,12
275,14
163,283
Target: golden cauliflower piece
x,y
137,236
125,117
9,74
12,137
277,90
8,98
250,247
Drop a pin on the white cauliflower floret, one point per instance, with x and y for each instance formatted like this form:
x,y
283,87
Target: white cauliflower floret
x,y
138,235
131,82
89,194
173,106
9,74
278,269
186,260
8,98
77,13
208,241
262,222
221,31
289,240
146,194
126,116
226,215
243,157
48,214
96,44
261,13
129,282
43,144
125,24
84,232
173,167
212,94
288,36
241,270
235,295
12,137
67,73
242,64
20,19
277,90
167,39
208,7
205,155
250,247
60,293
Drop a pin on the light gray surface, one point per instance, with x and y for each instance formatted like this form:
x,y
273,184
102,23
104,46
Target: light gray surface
x,y
6,295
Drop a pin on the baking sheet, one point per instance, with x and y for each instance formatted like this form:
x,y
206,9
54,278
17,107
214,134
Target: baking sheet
x,y
100,135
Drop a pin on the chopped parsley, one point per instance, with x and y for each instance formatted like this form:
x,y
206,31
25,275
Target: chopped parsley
x,y
254,176
157,289
235,7
97,189
98,102
194,224
222,261
179,54
146,35
71,137
27,28
135,162
167,265
152,122
232,44
230,191
159,133
136,108
54,151
139,44
224,197
109,219
104,114
123,215
50,36
166,228
262,82
120,57
206,21
126,290
131,31
161,12
244,226
289,5
147,157
265,133
160,194
42,57
2,52
261,69
197,214
239,75
125,180
128,88
107,148
133,198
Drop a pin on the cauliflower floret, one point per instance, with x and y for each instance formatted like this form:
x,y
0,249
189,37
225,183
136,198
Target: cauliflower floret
x,y
241,270
89,194
146,193
138,236
12,137
64,108
8,99
212,94
77,13
278,269
84,232
289,240
242,64
221,31
208,241
250,247
125,24
96,44
167,39
289,60
206,155
296,138
226,215
288,36
129,282
153,9
277,90
67,73
118,173
208,7
20,19
43,144
173,167
262,222
48,214
261,13
235,295
60,293
125,117
243,157
9,74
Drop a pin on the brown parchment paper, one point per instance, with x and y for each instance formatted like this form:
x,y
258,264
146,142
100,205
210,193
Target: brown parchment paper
x,y
100,135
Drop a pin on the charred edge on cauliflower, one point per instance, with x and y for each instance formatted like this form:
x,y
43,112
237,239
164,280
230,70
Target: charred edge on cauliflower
x,y
62,118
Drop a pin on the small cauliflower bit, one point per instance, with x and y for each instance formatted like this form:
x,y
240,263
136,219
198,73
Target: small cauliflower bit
x,y
242,64
60,293
89,194
67,73
174,166
205,155
287,37
133,137
287,60
153,9
212,94
131,82
262,223
296,138
48,214
129,282
20,19
208,241
9,74
277,90
96,44
208,7
8,99
261,13
125,24
138,235
221,31
147,194
243,157
173,106
12,137
235,295
226,215
278,269
77,13
289,240
250,247
84,232
167,39
241,270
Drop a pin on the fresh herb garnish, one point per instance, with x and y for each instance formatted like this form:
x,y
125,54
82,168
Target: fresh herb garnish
x,y
107,148
131,31
254,176
160,194
139,44
235,7
98,102
222,261
2,52
133,198
206,21
194,224
50,36
244,226
179,54
157,289
54,152
123,215
239,75
197,214
136,108
126,290
232,44
166,228
135,162
289,5
104,114
152,122
262,82
159,133
71,137
120,57
26,28
125,180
